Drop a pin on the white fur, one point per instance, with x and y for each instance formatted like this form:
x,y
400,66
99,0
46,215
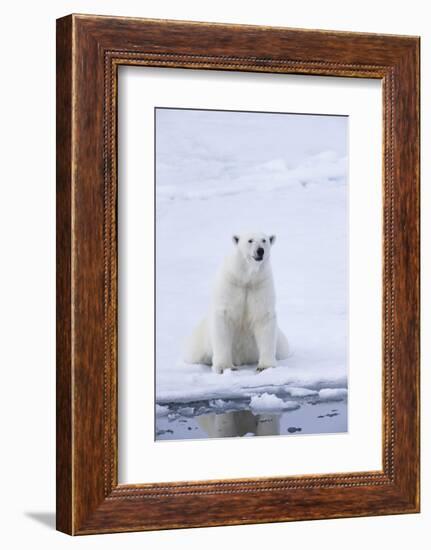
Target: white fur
x,y
241,326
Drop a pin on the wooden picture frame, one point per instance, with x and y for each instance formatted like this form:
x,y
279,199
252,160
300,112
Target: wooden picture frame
x,y
89,51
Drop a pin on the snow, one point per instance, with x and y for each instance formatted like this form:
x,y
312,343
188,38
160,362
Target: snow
x,y
219,173
300,392
332,394
188,383
269,402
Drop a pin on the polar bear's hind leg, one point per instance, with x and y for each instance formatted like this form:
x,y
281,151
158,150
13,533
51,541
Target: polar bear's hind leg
x,y
282,348
198,347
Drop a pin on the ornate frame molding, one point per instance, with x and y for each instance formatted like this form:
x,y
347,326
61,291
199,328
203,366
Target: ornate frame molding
x,y
90,49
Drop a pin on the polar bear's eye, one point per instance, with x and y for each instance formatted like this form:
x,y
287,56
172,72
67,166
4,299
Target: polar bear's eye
x,y
250,240
264,240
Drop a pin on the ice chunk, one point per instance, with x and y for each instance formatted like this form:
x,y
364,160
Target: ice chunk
x,y
161,410
270,402
186,411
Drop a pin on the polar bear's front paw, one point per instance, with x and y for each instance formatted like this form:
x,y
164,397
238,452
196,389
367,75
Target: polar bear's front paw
x,y
263,366
220,368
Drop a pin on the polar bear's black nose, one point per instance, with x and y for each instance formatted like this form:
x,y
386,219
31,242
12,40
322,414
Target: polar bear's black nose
x,y
260,252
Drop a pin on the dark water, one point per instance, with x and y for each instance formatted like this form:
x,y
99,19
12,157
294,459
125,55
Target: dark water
x,y
235,419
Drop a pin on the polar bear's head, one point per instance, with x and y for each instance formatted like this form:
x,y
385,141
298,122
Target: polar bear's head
x,y
254,247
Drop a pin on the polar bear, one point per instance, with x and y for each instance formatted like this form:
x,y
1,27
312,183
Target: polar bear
x,y
241,326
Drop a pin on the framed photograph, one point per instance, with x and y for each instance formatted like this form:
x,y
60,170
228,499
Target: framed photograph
x,y
239,172
237,274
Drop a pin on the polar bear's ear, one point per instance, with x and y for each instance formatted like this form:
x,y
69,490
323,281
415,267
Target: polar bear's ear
x,y
272,239
235,239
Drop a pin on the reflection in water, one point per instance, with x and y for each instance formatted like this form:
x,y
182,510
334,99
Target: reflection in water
x,y
238,423
203,421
